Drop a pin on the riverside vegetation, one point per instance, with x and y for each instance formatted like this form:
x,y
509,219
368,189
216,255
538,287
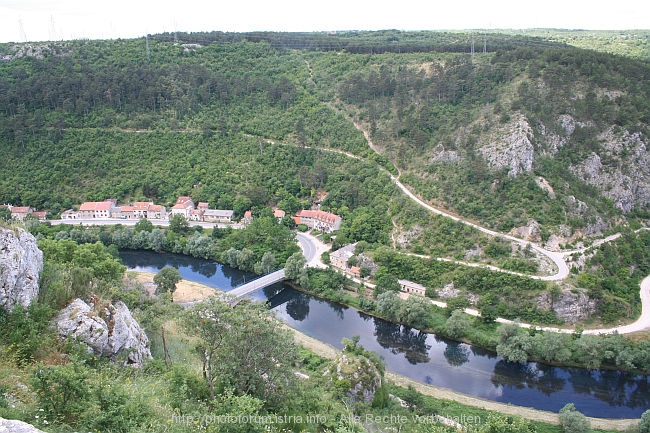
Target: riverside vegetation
x,y
236,120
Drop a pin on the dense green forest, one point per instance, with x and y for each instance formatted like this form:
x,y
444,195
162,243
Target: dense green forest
x,y
427,102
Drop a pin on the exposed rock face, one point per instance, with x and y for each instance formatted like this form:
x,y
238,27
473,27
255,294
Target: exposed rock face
x,y
511,148
363,376
529,232
21,262
15,426
107,329
570,307
449,291
626,177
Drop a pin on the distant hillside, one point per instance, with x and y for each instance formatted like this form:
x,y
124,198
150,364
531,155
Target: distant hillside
x,y
531,131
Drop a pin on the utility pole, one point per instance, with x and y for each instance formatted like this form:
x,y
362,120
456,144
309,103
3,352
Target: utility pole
x,y
22,30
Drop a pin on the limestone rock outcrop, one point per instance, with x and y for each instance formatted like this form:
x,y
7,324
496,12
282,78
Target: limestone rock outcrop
x,y
21,263
363,377
15,426
108,330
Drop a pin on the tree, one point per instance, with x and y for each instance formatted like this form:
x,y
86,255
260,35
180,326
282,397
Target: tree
x,y
267,264
644,424
143,225
166,280
5,214
458,324
179,225
244,348
552,346
294,269
513,343
572,421
414,312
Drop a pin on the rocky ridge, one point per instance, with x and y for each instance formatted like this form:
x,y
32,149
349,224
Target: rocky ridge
x,y
21,263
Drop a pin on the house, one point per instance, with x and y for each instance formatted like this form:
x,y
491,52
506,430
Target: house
x,y
411,287
70,214
183,207
218,216
203,205
41,215
196,214
141,208
96,209
339,258
124,212
356,271
318,219
156,212
20,212
248,217
278,213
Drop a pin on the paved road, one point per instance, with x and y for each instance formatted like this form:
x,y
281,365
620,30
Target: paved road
x,y
312,248
132,222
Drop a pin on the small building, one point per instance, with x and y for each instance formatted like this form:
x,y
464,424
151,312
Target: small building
x,y
196,214
20,212
70,214
356,271
96,209
141,208
41,215
248,217
339,258
218,216
407,286
126,212
203,205
318,219
156,212
278,213
183,206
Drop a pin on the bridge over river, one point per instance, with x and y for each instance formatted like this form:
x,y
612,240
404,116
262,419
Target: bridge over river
x,y
259,283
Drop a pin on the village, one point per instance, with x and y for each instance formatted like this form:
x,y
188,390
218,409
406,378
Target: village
x,y
109,209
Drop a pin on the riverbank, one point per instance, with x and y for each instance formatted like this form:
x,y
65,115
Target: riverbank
x,y
329,352
187,288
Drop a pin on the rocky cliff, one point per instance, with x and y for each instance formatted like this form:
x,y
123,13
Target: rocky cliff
x,y
21,263
108,329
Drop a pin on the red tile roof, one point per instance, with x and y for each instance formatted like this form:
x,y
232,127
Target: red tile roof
x,y
142,205
156,208
248,214
278,213
21,209
96,205
319,215
183,199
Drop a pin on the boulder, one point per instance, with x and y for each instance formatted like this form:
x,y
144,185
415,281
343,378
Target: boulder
x,y
108,330
21,263
15,426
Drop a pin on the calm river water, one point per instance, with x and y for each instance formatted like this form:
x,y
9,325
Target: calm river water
x,y
426,357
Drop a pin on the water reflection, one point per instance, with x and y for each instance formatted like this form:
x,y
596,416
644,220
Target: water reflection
x,y
529,375
425,357
456,353
401,339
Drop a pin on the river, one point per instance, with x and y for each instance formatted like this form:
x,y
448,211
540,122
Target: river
x,y
426,357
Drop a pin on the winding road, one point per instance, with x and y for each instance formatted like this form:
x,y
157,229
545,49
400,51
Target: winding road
x,y
557,257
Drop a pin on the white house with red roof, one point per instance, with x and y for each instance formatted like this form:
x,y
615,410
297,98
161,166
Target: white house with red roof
x,y
318,219
96,209
20,212
183,206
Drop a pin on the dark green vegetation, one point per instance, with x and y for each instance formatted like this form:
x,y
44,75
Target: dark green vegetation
x,y
218,361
